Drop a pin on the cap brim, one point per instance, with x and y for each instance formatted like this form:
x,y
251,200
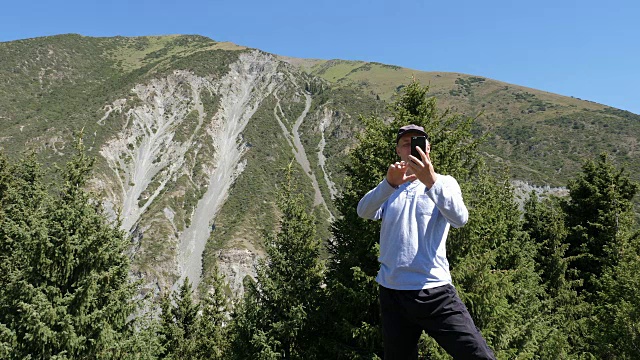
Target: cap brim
x,y
415,131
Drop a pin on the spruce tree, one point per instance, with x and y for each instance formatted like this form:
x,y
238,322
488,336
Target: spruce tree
x,y
599,215
213,330
544,221
353,292
491,257
354,249
493,268
616,328
67,292
604,249
178,323
276,317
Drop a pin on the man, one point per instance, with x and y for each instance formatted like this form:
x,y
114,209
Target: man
x,y
417,206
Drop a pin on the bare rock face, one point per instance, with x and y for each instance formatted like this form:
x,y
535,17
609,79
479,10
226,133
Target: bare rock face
x,y
236,264
325,122
146,149
171,146
523,189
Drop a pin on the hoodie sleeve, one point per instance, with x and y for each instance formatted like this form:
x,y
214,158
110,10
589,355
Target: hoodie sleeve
x,y
371,205
447,196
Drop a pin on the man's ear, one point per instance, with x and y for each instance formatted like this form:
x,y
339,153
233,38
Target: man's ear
x,y
428,148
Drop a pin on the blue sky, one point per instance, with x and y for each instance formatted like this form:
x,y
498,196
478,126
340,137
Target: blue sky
x,y
586,49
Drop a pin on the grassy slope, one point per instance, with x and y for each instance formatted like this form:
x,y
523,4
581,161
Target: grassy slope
x,y
58,85
542,137
55,85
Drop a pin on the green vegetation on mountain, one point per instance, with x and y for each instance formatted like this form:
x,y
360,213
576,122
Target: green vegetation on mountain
x,y
558,280
190,329
542,137
278,317
66,291
53,86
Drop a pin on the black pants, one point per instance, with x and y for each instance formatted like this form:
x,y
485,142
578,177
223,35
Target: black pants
x,y
439,312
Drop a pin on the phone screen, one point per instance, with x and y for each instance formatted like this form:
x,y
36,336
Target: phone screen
x,y
418,141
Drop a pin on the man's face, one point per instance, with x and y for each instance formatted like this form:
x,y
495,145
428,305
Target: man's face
x,y
403,149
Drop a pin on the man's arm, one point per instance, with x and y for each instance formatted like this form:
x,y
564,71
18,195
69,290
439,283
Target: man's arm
x,y
447,196
443,190
370,206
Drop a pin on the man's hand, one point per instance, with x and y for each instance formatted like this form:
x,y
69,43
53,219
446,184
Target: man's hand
x,y
397,174
423,169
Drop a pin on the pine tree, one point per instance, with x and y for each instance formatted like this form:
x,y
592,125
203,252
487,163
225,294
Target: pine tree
x,y
179,323
544,221
599,215
276,317
617,323
605,254
67,292
491,257
493,268
213,332
354,248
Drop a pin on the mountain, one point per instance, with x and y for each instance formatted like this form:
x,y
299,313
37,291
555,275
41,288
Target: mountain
x,y
191,135
541,136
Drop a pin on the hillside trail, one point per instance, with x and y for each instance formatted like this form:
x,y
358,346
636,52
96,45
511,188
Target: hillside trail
x,y
299,151
322,160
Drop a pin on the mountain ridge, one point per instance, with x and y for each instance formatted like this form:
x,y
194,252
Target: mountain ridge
x,y
169,117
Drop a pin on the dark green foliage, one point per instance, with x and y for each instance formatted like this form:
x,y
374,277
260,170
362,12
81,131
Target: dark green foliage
x,y
604,257
599,212
616,330
493,268
544,222
465,85
192,330
545,225
568,314
533,103
354,249
276,318
65,290
178,323
213,330
586,243
516,134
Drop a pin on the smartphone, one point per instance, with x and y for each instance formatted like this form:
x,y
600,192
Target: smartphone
x,y
418,141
